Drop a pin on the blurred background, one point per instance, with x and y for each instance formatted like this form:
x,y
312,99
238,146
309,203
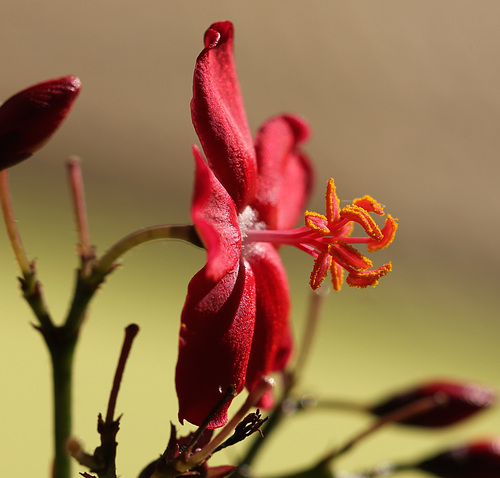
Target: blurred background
x,y
404,105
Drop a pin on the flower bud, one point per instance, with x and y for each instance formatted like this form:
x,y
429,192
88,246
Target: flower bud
x,y
29,118
455,402
479,459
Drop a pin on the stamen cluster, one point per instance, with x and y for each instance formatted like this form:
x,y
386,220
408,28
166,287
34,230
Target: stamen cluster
x,y
331,241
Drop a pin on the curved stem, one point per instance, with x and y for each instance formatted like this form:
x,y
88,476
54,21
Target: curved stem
x,y
10,224
88,284
154,233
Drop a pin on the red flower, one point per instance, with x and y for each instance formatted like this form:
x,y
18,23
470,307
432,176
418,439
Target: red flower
x,y
234,325
29,118
235,319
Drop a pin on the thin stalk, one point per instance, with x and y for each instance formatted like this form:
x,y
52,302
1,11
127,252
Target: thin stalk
x,y
413,409
10,224
337,404
130,333
78,195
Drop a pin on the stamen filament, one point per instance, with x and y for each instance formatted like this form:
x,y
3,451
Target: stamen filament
x,y
290,236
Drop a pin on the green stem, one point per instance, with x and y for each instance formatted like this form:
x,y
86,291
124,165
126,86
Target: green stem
x,y
154,233
29,283
84,291
61,345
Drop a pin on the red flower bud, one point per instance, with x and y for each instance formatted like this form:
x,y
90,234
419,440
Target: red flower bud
x,y
29,118
454,402
480,459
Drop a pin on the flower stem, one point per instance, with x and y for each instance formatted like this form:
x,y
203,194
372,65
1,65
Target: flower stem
x,y
10,224
78,194
154,233
61,347
31,287
413,409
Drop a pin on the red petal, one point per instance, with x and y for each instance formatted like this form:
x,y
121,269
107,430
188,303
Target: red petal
x,y
217,326
271,321
285,172
216,220
219,116
29,118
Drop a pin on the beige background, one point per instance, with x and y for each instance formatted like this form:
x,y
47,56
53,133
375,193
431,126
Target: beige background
x,y
404,103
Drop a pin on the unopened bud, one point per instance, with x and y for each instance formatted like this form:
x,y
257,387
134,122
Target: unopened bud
x,y
455,402
29,118
479,459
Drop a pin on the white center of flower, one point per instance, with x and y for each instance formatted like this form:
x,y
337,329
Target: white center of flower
x,y
248,220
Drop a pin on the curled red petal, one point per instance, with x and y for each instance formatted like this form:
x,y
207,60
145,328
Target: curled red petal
x,y
216,220
272,316
217,326
219,116
29,118
285,172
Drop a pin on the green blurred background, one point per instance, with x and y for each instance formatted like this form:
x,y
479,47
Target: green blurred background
x,y
404,104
